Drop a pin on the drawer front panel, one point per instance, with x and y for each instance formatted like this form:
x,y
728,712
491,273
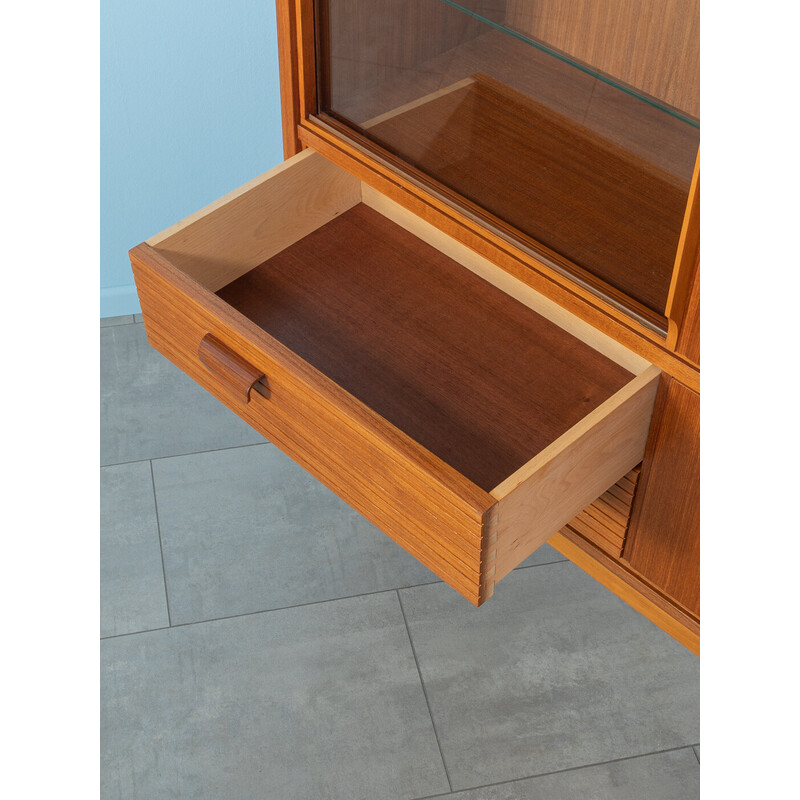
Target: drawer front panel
x,y
424,505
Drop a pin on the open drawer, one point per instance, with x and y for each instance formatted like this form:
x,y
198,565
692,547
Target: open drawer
x,y
464,414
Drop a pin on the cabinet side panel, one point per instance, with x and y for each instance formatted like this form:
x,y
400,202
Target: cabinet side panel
x,y
688,343
663,541
289,76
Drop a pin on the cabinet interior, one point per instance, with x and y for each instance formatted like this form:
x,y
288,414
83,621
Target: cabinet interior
x,y
572,127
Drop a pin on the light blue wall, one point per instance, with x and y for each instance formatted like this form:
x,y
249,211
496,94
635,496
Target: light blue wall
x,y
190,109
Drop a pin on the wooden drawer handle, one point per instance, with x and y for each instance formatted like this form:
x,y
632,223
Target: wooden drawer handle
x,y
240,375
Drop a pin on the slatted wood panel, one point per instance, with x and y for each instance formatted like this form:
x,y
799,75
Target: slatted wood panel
x,y
605,522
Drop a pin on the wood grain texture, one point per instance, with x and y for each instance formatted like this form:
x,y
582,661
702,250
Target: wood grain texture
x,y
196,307
686,258
582,100
361,310
305,39
247,226
630,587
531,271
605,521
431,97
473,376
664,538
645,131
365,43
411,495
591,202
526,266
289,75
653,45
688,341
494,228
541,497
229,366
400,486
508,284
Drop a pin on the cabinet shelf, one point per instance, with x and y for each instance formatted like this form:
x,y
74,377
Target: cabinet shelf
x,y
497,18
578,194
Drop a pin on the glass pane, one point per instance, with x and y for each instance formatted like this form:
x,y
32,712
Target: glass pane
x,y
571,125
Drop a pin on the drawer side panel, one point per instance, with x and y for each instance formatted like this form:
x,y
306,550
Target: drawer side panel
x,y
571,474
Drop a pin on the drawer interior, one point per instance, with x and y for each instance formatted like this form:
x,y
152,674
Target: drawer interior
x,y
477,378
334,272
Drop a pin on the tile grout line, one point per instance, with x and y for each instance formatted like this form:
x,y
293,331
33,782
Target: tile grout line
x,y
181,455
117,324
268,610
137,633
437,582
160,544
559,771
424,691
544,564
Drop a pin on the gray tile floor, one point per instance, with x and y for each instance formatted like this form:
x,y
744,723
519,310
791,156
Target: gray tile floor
x,y
261,640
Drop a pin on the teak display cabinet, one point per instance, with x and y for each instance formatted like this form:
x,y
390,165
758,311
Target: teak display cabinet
x,y
450,383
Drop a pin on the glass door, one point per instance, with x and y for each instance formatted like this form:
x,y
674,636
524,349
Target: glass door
x,y
570,126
